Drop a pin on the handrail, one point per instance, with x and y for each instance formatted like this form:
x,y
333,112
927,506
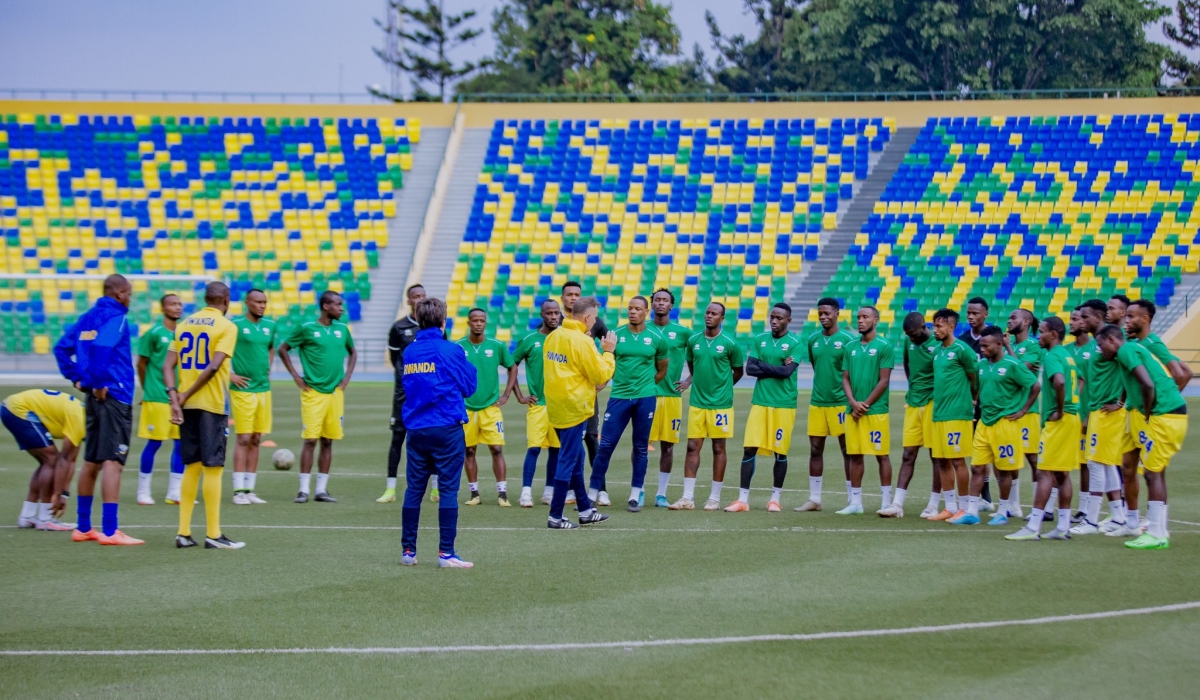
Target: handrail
x,y
269,97
859,96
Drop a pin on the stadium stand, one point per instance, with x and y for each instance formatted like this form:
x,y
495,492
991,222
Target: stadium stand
x,y
1034,212
292,205
720,209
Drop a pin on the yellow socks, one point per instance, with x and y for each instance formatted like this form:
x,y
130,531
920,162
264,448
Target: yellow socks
x,y
212,500
187,497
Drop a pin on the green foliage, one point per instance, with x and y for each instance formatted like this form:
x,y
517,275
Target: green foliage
x,y
622,47
426,46
941,46
1185,31
766,63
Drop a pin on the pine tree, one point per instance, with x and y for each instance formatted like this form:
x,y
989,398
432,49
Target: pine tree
x,y
1186,32
426,43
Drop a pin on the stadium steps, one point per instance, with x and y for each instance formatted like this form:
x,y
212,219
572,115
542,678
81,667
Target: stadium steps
x,y
403,230
1186,292
805,288
456,210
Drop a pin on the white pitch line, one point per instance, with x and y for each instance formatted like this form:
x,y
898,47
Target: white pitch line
x,y
626,645
1184,522
538,528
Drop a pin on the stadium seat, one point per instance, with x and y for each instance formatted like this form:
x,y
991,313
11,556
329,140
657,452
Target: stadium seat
x,y
720,210
295,206
1033,212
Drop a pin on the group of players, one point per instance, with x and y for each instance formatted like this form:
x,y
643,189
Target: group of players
x,y
1111,404
193,372
1108,402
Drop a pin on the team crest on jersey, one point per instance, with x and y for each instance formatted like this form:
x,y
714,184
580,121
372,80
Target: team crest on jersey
x,y
1002,371
871,352
645,341
1087,355
1020,351
837,345
720,348
671,335
337,334
950,356
488,353
785,346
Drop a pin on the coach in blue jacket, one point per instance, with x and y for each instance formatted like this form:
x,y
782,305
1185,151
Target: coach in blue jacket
x,y
437,380
96,356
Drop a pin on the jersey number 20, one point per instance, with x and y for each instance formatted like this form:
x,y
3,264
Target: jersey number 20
x,y
195,351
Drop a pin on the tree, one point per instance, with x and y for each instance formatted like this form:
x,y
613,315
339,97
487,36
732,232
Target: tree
x,y
426,47
1186,32
762,63
942,46
584,46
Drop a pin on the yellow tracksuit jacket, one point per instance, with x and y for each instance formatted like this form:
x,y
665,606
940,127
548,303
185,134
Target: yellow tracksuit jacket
x,y
573,370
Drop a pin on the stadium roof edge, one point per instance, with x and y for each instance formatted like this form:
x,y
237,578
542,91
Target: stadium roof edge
x,y
481,115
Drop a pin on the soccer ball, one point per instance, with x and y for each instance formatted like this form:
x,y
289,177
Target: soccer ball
x,y
283,459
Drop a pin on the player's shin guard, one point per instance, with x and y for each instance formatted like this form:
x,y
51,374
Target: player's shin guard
x,y
529,469
447,528
146,465
83,513
780,470
212,500
749,463
108,518
394,452
187,497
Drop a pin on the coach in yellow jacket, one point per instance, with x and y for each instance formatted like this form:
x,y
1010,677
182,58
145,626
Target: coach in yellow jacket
x,y
573,369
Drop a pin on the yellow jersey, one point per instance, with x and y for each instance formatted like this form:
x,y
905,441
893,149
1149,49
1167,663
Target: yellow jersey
x,y
573,369
197,339
61,413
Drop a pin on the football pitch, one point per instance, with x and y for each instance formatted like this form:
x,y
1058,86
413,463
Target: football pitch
x,y
653,604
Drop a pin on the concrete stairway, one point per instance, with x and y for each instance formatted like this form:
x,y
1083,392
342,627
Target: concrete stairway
x,y
387,280
456,210
1186,293
804,288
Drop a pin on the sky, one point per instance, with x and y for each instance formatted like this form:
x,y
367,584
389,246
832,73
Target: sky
x,y
295,46
233,45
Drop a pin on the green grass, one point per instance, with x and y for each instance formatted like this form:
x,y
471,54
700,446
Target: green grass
x,y
653,575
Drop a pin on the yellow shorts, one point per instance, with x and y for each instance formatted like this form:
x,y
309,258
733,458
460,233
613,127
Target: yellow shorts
x,y
486,426
537,428
710,423
1031,432
1061,447
154,423
321,415
1108,437
998,445
1160,439
952,439
869,435
918,425
769,429
251,411
824,421
668,419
